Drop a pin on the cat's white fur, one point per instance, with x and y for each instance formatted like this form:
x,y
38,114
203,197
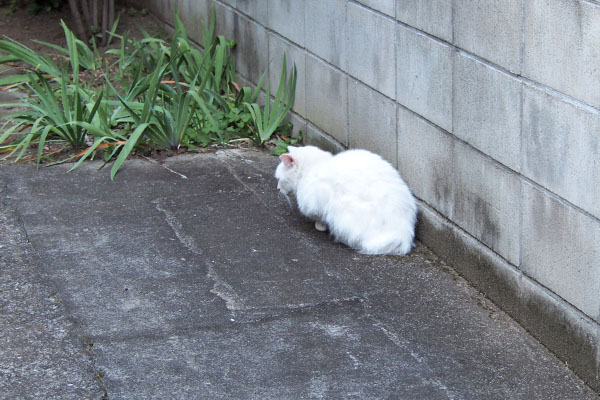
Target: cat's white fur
x,y
360,197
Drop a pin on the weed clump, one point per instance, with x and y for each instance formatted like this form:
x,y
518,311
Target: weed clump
x,y
150,93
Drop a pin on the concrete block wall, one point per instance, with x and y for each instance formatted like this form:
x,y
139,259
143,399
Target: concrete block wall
x,y
489,109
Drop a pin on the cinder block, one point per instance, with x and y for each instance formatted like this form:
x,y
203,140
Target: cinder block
x,y
257,10
327,98
426,160
485,270
424,76
164,10
287,18
384,6
432,16
561,249
225,21
325,30
299,124
561,46
487,201
294,55
232,3
487,110
372,121
194,13
491,29
252,50
315,137
561,148
371,46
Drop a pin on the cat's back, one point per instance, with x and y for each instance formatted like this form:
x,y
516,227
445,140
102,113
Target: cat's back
x,y
354,179
359,167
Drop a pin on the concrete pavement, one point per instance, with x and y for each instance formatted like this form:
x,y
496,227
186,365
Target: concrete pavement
x,y
194,280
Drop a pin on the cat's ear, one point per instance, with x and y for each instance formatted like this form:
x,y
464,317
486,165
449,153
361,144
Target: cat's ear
x,y
287,159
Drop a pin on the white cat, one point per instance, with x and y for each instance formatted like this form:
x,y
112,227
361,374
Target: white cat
x,y
359,196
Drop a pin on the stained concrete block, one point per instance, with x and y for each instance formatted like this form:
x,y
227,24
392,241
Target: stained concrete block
x,y
487,110
489,273
287,18
561,46
572,337
225,22
424,76
327,98
384,6
371,46
425,160
491,29
299,124
257,10
232,3
561,147
294,55
432,16
251,52
550,319
194,14
325,30
560,249
316,137
487,201
372,121
165,10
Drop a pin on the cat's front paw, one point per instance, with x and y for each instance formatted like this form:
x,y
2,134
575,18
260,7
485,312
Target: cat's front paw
x,y
321,227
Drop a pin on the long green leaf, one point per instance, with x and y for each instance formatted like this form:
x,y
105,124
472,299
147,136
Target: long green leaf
x,y
26,55
92,148
133,139
41,144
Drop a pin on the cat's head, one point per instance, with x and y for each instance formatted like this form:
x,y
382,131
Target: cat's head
x,y
294,163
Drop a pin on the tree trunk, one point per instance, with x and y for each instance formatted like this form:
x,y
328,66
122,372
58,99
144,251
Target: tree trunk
x,y
92,18
82,32
104,23
86,12
94,13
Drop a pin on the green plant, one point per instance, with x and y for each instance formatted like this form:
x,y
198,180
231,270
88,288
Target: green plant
x,y
17,52
65,112
162,116
281,146
155,93
269,119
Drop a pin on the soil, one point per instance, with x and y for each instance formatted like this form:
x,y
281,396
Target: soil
x,y
25,27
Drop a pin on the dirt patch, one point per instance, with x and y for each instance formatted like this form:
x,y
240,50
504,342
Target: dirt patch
x,y
25,27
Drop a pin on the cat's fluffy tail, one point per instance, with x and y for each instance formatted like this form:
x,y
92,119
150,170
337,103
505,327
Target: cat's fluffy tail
x,y
387,244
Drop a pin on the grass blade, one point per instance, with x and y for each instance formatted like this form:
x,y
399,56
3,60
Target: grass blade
x,y
131,142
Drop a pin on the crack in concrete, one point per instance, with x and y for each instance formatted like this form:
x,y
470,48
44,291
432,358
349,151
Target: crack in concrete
x,y
186,240
225,291
235,303
277,313
405,346
62,324
394,338
182,176
222,156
